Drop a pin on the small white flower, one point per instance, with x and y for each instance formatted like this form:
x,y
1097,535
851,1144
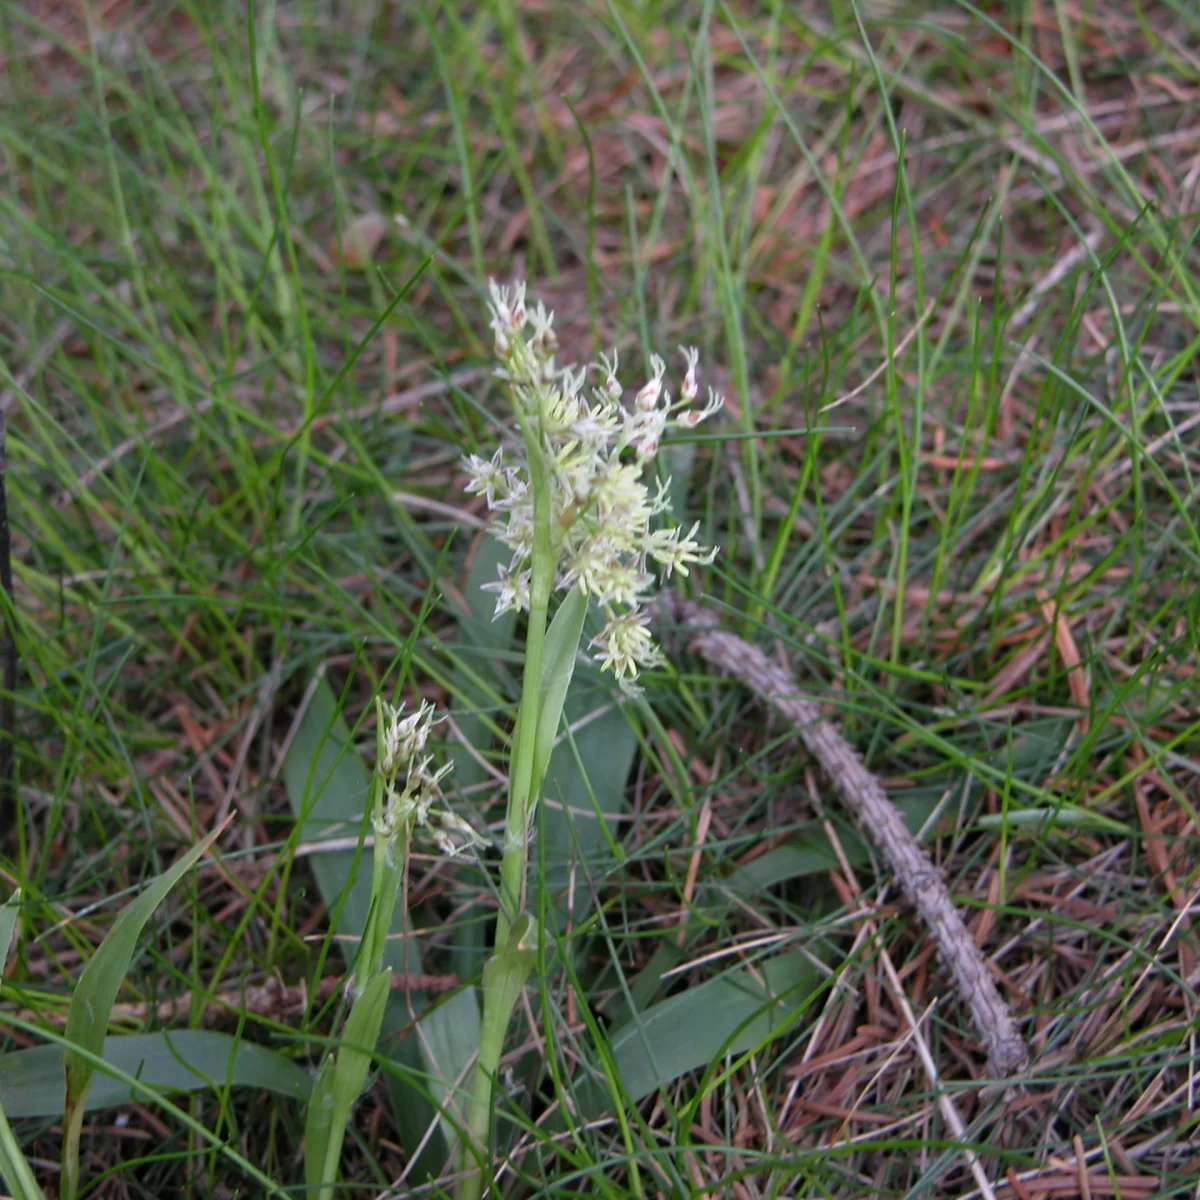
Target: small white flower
x,y
397,808
643,431
452,835
543,339
508,313
404,737
674,550
626,644
402,742
489,477
390,761
690,387
596,424
647,398
612,385
512,591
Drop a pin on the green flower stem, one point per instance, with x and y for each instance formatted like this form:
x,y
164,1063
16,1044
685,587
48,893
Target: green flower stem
x,y
387,880
523,789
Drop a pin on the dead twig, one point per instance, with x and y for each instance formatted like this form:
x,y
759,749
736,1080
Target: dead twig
x,y
863,795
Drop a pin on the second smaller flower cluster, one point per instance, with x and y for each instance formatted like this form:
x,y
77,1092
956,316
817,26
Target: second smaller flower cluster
x,y
411,784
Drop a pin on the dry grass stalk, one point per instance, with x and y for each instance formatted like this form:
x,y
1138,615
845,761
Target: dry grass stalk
x,y
863,795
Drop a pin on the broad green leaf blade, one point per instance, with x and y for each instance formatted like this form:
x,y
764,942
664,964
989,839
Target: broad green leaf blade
x,y
558,665
190,1060
328,786
619,1008
732,1014
92,1001
583,791
798,856
449,1041
8,926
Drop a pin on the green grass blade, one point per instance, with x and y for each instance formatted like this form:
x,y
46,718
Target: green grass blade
x,y
8,926
14,1167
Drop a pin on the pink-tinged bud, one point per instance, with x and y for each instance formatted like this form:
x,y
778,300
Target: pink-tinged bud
x,y
502,343
516,319
613,387
647,398
690,387
690,419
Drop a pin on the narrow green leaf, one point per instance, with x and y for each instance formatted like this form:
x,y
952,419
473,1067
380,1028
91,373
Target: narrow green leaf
x,y
352,1063
318,1124
558,665
1065,816
188,1060
8,926
92,1001
359,1040
14,1166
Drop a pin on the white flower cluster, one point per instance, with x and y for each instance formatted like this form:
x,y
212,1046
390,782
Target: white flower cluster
x,y
411,784
595,451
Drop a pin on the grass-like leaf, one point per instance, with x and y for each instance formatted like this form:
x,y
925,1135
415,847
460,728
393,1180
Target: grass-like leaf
x,y
8,926
92,1001
14,1167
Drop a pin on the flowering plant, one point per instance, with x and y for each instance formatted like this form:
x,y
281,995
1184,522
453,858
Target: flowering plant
x,y
570,500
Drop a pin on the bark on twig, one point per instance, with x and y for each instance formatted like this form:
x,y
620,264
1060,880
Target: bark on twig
x,y
863,795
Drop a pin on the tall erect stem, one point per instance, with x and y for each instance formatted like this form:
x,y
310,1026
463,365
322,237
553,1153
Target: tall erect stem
x,y
523,791
522,787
